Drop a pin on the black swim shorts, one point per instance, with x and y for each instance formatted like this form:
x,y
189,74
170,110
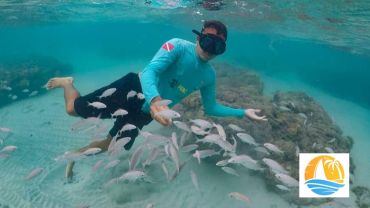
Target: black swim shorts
x,y
118,100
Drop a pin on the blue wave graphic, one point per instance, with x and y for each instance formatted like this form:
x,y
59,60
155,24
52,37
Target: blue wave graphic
x,y
323,187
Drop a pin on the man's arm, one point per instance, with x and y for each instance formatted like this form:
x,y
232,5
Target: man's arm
x,y
211,107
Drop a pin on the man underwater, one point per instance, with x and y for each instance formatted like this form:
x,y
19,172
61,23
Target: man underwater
x,y
178,69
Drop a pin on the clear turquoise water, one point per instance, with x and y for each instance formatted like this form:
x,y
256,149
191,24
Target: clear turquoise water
x,y
292,45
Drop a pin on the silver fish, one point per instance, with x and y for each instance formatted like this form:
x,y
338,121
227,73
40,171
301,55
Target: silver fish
x,y
246,138
35,172
119,112
189,148
110,182
97,105
140,96
131,94
14,97
332,140
282,187
174,140
92,151
198,131
127,127
194,179
97,165
240,197
174,156
33,93
245,161
284,108
273,148
230,171
183,138
154,137
182,125
70,156
150,205
111,164
169,114
287,180
163,102
235,127
200,154
8,148
274,166
165,170
203,124
135,157
222,162
329,150
5,130
118,146
107,93
262,150
221,131
132,176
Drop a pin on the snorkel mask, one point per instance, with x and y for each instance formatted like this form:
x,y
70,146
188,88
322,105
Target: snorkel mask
x,y
211,43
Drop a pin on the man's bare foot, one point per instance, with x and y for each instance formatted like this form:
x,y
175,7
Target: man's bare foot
x,y
58,82
69,170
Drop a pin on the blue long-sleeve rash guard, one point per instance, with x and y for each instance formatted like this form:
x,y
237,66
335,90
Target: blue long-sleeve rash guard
x,y
176,71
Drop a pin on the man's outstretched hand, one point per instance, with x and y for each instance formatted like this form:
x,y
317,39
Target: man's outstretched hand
x,y
251,113
154,109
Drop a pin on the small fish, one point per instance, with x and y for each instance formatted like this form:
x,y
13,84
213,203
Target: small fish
x,y
135,157
118,145
222,162
194,179
35,172
1,141
154,137
97,165
189,148
33,93
5,130
235,127
92,151
8,149
174,156
97,105
169,114
246,138
163,102
111,164
198,131
199,154
107,93
119,112
245,161
203,124
174,140
262,150
230,171
282,187
221,131
131,94
140,96
274,166
25,90
132,175
240,197
127,127
182,125
329,150
165,170
70,156
273,148
150,205
183,138
175,173
287,180
332,140
14,97
284,108
110,182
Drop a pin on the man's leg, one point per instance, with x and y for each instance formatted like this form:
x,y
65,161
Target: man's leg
x,y
102,144
70,92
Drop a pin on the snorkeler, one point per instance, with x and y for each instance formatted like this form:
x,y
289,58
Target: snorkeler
x,y
178,68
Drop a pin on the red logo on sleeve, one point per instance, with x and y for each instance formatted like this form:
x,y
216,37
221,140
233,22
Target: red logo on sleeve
x,y
168,46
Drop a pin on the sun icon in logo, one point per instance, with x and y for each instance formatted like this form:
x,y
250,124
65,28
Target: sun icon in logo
x,y
324,175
